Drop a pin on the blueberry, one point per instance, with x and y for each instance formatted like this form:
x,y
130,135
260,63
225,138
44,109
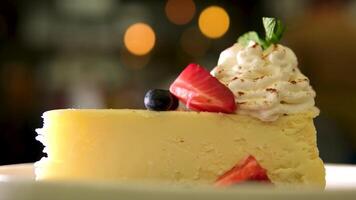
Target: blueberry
x,y
160,100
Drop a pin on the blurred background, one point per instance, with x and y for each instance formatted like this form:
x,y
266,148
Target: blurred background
x,y
107,53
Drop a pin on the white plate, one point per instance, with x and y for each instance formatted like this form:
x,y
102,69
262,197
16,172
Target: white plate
x,y
17,182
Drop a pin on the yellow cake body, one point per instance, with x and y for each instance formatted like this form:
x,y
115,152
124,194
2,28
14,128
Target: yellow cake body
x,y
186,147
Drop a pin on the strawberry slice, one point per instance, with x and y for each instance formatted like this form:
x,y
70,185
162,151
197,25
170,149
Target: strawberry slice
x,y
247,170
200,91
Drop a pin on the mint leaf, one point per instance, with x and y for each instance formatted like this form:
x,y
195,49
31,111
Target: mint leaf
x,y
274,30
250,36
279,30
269,25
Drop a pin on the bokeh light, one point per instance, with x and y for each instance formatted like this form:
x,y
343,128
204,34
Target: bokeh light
x,y
194,43
214,22
139,39
180,11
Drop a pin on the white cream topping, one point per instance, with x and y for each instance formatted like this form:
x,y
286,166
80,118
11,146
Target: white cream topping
x,y
266,83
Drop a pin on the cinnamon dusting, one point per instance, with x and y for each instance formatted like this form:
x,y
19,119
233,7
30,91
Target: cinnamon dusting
x,y
271,90
261,77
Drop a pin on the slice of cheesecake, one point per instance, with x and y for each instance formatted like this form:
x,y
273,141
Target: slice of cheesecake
x,y
177,147
268,135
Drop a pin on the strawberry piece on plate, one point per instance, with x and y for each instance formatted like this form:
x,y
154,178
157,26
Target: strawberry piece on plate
x,y
247,170
200,91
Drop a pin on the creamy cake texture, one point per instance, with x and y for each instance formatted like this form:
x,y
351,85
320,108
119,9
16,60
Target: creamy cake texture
x,y
175,146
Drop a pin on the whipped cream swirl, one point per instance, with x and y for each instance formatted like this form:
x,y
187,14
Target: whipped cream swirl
x,y
266,83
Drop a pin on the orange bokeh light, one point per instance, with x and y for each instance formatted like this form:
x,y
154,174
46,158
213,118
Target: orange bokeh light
x,y
139,39
214,22
180,11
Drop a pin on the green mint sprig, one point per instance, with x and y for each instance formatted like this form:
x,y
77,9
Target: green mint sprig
x,y
273,29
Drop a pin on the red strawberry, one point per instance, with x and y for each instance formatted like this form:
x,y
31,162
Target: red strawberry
x,y
247,170
200,91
